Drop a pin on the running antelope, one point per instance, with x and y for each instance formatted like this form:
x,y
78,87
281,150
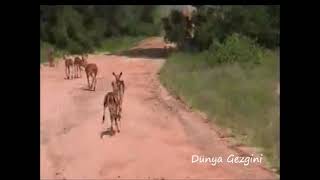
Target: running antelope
x,y
111,100
69,66
120,87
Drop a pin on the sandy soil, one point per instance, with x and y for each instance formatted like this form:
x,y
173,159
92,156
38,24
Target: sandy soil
x,y
158,137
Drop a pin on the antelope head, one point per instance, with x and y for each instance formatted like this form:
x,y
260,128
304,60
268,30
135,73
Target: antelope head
x,y
117,76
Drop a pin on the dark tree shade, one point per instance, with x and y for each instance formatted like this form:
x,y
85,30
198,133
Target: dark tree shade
x,y
215,23
80,28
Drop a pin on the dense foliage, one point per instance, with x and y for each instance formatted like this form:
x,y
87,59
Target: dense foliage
x,y
82,28
215,23
235,48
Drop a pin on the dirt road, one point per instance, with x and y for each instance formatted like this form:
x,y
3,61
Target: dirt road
x,y
158,134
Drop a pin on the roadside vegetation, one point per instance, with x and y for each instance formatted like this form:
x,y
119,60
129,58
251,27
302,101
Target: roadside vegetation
x,y
79,29
229,69
117,44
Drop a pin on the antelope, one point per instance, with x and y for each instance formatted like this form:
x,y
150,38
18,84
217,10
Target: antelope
x,y
78,63
111,100
69,66
119,87
50,57
91,71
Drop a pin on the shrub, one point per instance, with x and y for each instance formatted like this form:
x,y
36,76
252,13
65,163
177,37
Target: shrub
x,y
215,23
175,28
235,48
79,29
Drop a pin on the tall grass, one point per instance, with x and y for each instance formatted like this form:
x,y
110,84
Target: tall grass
x,y
242,98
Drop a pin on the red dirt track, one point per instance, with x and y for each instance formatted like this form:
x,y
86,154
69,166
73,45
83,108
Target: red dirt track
x,y
158,137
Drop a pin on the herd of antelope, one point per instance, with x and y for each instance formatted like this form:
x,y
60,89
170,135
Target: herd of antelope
x,y
74,68
112,100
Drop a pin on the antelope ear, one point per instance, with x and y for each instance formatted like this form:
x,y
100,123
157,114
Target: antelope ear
x,y
121,74
113,73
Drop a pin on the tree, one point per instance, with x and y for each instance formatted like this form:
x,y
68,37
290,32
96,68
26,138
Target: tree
x,y
215,23
80,28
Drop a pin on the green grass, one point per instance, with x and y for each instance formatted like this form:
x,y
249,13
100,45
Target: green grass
x,y
117,44
238,97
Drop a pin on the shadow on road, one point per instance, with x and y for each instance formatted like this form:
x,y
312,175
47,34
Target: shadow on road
x,y
86,89
110,132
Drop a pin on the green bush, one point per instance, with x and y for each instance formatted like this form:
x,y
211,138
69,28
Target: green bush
x,y
175,28
143,29
79,29
258,22
215,23
117,44
235,48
